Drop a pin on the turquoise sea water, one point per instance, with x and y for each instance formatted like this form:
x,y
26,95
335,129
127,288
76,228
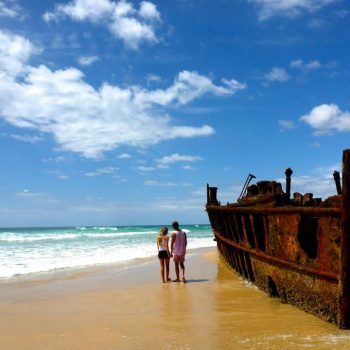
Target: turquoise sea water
x,y
34,250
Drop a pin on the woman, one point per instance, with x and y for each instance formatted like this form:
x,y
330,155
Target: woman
x,y
163,253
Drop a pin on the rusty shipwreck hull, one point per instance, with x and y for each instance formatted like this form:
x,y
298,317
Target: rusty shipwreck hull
x,y
295,249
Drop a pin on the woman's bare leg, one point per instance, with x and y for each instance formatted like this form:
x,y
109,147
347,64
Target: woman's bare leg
x,y
167,269
162,269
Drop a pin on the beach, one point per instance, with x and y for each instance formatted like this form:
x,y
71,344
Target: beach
x,y
125,306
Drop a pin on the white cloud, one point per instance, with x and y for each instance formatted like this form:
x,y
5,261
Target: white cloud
x,y
320,182
305,66
188,167
132,26
161,184
56,160
286,124
27,138
92,121
289,8
36,196
87,60
277,74
124,156
174,158
10,9
187,87
15,50
143,168
132,32
316,23
153,78
149,11
326,118
81,10
102,171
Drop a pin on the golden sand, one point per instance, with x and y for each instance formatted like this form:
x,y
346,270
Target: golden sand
x,y
127,307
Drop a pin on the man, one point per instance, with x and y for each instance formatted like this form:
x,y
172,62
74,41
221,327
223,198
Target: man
x,y
178,250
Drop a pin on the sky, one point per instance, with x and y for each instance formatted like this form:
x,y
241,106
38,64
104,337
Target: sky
x,y
116,112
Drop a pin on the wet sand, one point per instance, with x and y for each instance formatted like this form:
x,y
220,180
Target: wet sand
x,y
126,307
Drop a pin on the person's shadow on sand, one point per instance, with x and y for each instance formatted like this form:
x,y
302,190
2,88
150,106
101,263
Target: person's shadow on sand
x,y
197,280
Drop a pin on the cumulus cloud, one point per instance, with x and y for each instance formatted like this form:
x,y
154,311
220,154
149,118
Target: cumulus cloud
x,y
277,74
15,51
87,60
327,118
89,120
132,26
289,8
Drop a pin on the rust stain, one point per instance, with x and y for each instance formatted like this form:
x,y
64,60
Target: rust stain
x,y
292,247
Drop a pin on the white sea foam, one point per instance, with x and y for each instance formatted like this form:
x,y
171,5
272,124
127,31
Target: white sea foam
x,y
10,237
42,250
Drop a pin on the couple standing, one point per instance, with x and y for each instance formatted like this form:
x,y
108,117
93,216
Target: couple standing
x,y
177,252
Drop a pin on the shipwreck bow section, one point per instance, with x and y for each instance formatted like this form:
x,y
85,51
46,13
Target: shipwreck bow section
x,y
295,248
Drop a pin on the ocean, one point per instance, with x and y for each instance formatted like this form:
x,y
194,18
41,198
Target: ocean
x,y
25,251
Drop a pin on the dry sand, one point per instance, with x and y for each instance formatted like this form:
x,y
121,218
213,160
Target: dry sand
x,y
127,307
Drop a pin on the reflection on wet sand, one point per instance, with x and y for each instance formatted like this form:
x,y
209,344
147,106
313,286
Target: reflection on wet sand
x,y
131,309
252,320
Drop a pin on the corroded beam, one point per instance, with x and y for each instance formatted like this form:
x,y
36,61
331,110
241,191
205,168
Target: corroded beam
x,y
344,270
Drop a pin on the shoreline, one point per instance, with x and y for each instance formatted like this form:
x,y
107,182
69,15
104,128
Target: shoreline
x,y
86,278
73,272
129,308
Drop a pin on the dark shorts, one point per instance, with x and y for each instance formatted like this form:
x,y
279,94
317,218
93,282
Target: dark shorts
x,y
163,254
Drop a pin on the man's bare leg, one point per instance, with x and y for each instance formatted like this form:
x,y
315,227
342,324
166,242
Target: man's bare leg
x,y
182,265
177,271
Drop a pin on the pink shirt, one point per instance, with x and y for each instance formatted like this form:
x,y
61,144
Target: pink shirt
x,y
180,243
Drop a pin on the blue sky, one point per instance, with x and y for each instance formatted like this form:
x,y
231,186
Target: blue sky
x,y
119,112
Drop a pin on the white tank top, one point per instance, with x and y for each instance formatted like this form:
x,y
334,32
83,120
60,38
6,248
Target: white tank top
x,y
162,245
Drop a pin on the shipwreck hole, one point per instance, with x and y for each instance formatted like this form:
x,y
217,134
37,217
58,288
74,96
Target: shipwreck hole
x,y
272,288
307,236
238,220
249,230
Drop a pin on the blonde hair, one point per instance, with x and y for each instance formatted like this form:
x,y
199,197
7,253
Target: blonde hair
x,y
162,233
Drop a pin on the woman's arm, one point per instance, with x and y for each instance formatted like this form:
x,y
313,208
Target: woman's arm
x,y
173,238
167,246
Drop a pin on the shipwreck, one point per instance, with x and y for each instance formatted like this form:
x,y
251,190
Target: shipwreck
x,y
294,247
